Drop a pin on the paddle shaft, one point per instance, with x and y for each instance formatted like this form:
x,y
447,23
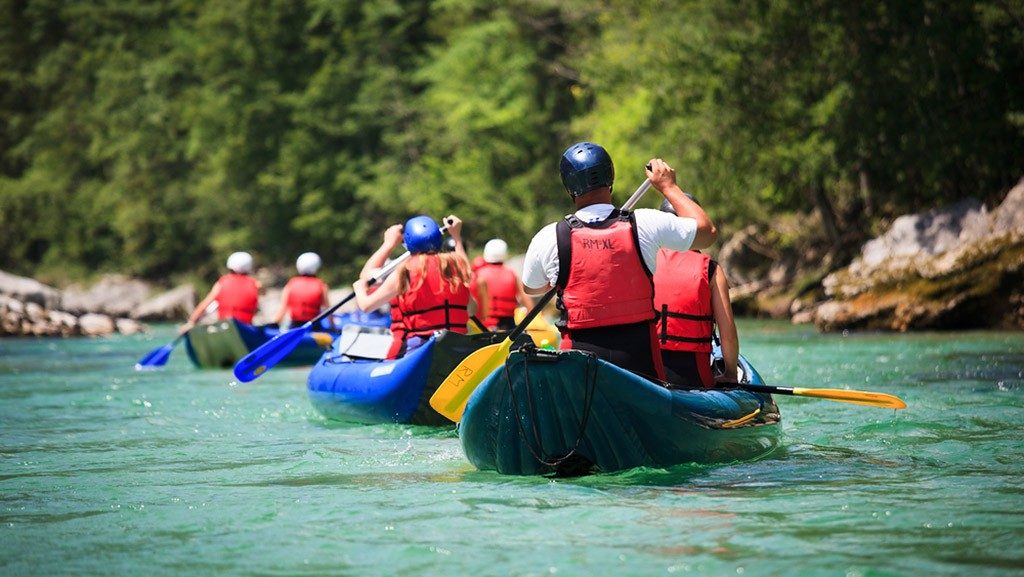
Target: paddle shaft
x,y
537,308
636,196
868,398
384,272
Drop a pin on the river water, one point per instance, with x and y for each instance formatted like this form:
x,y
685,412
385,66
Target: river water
x,y
107,471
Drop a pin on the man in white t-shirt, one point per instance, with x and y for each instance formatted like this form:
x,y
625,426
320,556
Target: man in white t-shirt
x,y
603,260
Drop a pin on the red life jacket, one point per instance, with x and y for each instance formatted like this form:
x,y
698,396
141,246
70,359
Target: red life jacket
x,y
397,330
602,277
305,297
238,297
433,306
683,298
502,287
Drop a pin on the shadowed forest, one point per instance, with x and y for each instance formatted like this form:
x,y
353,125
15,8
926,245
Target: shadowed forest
x,y
155,137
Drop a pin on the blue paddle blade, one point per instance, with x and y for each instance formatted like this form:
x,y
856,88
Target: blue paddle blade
x,y
269,354
155,358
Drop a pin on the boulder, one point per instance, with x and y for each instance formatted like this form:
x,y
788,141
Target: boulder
x,y
951,268
747,256
44,328
10,323
65,323
34,312
115,295
273,276
12,305
175,304
95,325
29,290
269,301
129,326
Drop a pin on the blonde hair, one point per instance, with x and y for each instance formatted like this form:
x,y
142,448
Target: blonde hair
x,y
455,271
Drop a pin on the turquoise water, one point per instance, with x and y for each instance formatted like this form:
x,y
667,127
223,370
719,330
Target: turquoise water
x,y
106,471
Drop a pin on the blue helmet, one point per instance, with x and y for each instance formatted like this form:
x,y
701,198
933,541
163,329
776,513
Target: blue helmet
x,y
421,234
584,167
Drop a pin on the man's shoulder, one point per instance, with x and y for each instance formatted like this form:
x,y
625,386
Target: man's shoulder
x,y
652,214
656,219
546,231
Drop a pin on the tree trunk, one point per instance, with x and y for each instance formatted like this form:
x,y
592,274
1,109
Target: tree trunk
x,y
828,215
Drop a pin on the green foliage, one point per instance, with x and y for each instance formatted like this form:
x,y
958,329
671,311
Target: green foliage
x,y
156,136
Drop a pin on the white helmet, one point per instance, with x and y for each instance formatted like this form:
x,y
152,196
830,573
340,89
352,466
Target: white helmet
x,y
308,263
495,251
240,262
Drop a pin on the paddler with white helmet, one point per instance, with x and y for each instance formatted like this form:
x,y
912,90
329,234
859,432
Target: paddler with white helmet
x,y
305,295
503,291
236,293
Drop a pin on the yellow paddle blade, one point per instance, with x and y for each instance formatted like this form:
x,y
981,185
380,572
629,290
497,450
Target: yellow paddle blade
x,y
323,339
543,333
871,399
451,395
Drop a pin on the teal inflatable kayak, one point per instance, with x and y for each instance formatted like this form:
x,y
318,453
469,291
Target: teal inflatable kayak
x,y
569,413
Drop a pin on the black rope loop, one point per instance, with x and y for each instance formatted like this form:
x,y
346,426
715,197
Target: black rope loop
x,y
536,447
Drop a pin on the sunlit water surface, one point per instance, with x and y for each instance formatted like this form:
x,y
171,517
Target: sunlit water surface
x,y
107,471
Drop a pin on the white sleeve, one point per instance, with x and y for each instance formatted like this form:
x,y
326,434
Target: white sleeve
x,y
657,230
540,266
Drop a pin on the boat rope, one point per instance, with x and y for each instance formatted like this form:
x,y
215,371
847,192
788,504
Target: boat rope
x,y
744,419
536,447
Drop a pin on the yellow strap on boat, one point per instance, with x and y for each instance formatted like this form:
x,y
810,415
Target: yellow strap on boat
x,y
742,420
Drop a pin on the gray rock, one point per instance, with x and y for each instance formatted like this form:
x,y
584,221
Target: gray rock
x,y
115,295
269,301
95,325
273,276
67,323
803,317
958,267
29,290
175,304
10,323
746,257
13,305
44,329
1009,216
932,232
129,326
34,312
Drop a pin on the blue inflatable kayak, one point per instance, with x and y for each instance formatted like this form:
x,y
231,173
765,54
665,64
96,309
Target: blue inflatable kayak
x,y
570,413
351,382
358,317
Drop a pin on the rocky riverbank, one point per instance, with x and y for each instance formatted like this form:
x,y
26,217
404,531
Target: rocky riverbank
x,y
953,267
115,304
950,268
